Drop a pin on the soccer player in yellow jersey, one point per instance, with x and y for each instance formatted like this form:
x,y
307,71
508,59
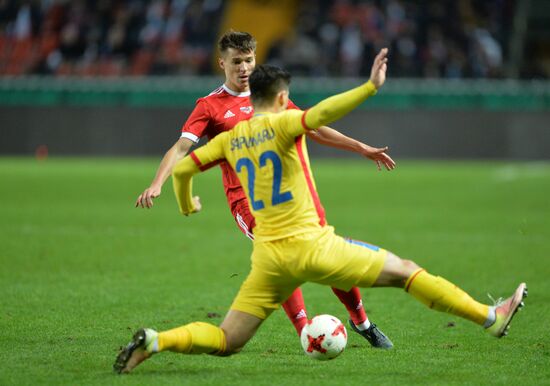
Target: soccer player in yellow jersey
x,y
220,111
293,243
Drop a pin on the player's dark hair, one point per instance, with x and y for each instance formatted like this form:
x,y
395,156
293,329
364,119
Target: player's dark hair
x,y
241,41
265,82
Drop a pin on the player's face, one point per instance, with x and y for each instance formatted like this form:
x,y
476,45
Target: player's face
x,y
238,66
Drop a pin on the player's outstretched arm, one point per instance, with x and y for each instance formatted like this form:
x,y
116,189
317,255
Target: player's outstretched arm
x,y
172,156
335,107
200,160
327,136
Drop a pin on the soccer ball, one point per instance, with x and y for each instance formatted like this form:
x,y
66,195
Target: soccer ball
x,y
324,337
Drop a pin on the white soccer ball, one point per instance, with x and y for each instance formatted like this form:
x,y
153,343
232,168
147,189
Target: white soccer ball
x,y
324,337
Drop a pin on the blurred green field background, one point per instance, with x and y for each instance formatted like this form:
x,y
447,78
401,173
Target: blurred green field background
x,y
81,268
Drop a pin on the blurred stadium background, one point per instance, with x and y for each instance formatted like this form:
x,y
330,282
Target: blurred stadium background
x,y
81,267
467,79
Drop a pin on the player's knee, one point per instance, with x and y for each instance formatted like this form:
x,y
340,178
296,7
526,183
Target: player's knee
x,y
409,267
396,271
404,271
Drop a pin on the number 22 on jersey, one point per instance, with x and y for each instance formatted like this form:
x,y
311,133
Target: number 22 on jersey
x,y
277,197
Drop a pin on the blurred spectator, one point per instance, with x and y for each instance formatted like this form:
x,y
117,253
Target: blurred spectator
x,y
124,37
443,39
435,39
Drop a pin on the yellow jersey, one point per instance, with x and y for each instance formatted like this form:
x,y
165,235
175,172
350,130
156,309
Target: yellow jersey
x,y
269,155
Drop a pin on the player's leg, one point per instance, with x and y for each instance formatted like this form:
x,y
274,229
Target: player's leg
x,y
295,310
433,291
365,268
359,322
239,328
193,338
441,295
354,304
259,295
203,338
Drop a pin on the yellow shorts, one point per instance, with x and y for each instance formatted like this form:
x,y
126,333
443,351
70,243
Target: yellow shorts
x,y
280,266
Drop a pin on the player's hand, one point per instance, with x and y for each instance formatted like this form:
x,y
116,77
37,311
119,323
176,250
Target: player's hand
x,y
197,203
145,199
379,67
379,156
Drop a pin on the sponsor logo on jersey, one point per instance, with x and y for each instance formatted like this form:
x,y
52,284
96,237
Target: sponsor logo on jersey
x,y
246,109
228,114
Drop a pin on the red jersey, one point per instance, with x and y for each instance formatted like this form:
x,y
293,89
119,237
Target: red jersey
x,y
215,113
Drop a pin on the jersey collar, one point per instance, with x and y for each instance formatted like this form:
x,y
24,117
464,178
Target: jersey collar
x,y
235,93
260,113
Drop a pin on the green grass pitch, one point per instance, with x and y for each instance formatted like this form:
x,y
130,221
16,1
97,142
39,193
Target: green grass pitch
x,y
81,269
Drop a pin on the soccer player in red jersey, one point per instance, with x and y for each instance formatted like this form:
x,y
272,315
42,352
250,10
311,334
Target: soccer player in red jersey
x,y
220,111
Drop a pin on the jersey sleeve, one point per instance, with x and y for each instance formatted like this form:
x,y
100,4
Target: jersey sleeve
x,y
197,122
210,154
336,106
199,160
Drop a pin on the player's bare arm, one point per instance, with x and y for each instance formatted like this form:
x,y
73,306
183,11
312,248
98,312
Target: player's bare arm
x,y
327,136
335,107
170,159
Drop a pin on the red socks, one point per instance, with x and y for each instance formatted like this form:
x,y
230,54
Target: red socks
x,y
296,310
354,304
